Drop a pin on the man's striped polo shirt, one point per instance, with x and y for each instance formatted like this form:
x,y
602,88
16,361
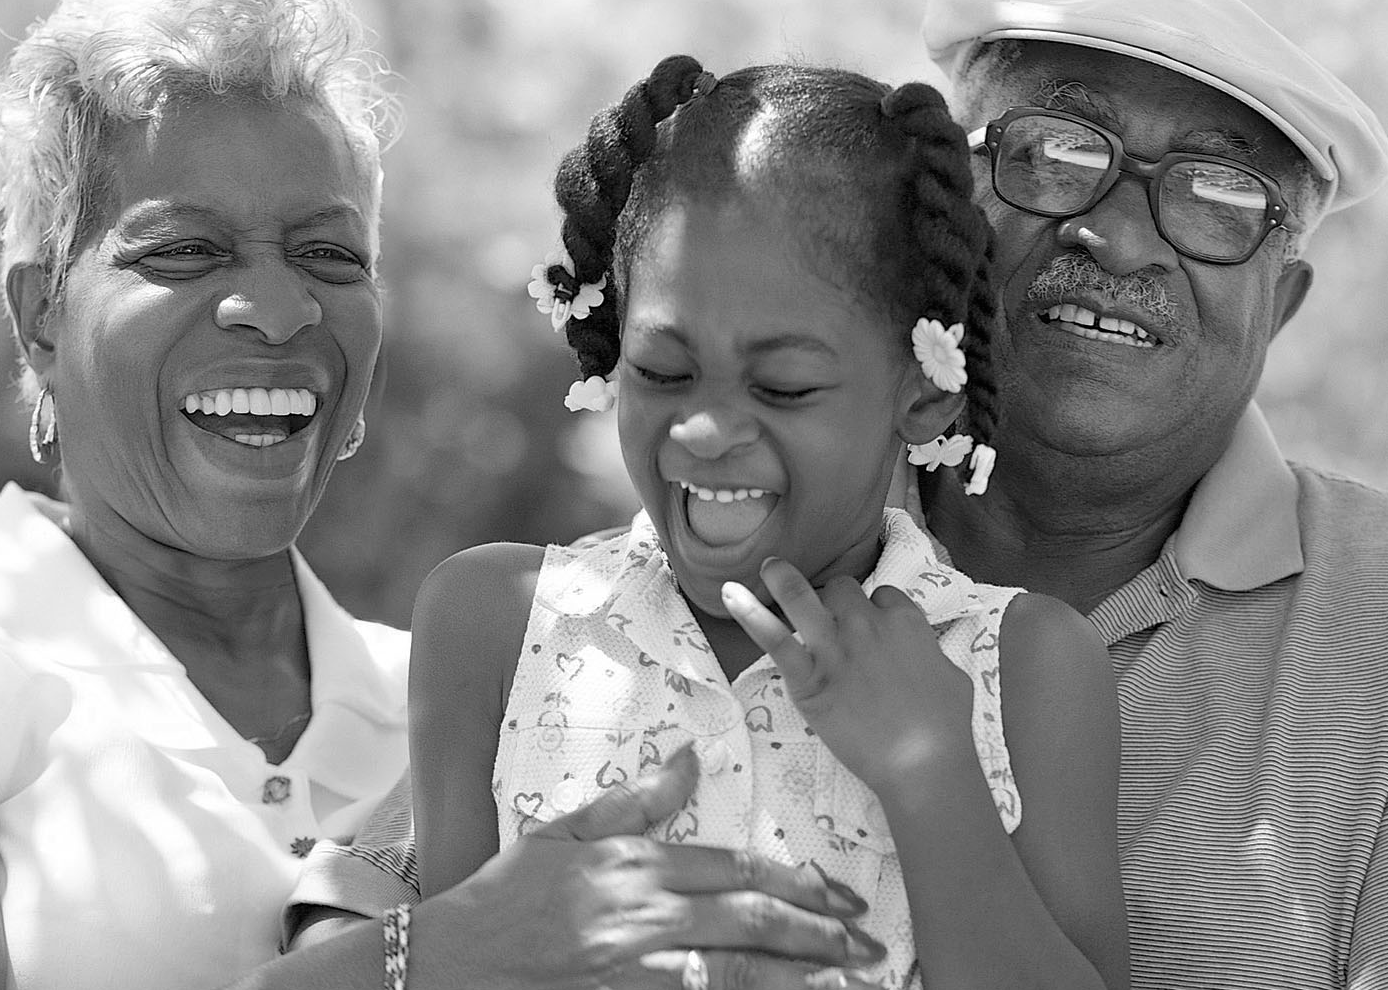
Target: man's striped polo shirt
x,y
1252,665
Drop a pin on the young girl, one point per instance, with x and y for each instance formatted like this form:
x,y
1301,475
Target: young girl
x,y
784,272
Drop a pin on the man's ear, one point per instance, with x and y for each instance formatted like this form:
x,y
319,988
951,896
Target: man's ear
x,y
1290,293
26,298
926,411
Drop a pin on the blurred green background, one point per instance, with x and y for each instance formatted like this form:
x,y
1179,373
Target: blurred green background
x,y
468,438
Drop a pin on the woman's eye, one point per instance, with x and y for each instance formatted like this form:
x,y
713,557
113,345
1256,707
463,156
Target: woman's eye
x,y
330,263
182,260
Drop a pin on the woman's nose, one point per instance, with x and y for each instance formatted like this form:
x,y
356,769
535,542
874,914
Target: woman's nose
x,y
272,300
709,434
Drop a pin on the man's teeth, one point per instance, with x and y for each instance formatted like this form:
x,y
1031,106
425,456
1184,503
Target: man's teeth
x,y
721,494
255,401
1090,323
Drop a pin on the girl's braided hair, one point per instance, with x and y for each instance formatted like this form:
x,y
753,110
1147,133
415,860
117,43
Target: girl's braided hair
x,y
878,179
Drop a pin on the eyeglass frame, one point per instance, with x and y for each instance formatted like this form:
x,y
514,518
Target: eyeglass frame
x,y
1275,214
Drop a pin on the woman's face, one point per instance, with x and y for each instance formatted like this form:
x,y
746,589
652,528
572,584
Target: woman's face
x,y
219,328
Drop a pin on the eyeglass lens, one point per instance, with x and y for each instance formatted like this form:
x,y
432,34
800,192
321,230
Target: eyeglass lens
x,y
1055,166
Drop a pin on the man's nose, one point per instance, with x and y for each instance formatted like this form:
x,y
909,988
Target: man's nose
x,y
1120,233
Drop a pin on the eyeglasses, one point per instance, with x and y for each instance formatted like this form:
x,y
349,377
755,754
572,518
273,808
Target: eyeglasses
x,y
1057,164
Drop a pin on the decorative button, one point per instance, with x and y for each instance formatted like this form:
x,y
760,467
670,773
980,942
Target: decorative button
x,y
876,818
567,795
276,790
302,846
713,754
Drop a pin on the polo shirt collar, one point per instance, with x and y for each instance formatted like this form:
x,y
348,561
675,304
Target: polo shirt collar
x,y
1240,530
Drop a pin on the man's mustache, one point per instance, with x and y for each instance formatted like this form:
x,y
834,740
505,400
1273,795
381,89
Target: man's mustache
x,y
1077,272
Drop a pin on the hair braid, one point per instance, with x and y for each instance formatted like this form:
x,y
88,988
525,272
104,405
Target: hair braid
x,y
592,186
954,239
981,390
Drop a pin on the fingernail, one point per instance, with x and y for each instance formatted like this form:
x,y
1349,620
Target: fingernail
x,y
841,979
862,947
768,562
736,596
843,898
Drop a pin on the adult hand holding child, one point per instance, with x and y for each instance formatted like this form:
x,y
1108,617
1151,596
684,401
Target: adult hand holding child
x,y
620,910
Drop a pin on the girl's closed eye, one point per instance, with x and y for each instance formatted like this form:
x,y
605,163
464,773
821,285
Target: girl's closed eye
x,y
786,393
656,377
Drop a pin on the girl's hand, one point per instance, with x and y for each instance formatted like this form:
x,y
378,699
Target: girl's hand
x,y
867,674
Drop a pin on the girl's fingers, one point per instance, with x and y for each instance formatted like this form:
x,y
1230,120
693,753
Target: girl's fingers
x,y
768,632
801,604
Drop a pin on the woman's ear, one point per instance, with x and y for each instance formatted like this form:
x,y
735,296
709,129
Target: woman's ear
x,y
26,299
926,411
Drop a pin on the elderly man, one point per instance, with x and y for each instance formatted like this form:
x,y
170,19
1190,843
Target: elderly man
x,y
1153,171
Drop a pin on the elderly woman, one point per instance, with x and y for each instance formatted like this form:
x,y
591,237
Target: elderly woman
x,y
191,193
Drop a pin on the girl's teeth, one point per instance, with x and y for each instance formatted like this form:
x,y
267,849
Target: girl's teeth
x,y
724,495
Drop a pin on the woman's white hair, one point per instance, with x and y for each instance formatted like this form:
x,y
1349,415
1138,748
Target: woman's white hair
x,y
94,65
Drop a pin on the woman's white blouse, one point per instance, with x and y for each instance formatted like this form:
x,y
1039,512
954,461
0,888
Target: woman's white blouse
x,y
143,842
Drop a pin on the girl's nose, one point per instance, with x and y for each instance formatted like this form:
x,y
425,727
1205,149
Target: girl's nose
x,y
710,434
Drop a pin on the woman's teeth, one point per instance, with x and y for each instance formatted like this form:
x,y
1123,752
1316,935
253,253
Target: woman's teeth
x,y
227,411
721,494
255,401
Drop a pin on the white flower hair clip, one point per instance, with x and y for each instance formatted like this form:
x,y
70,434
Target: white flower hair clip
x,y
942,359
567,296
942,451
938,351
596,394
980,469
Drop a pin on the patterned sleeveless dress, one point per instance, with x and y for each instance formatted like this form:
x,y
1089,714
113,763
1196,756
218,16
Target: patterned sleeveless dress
x,y
615,673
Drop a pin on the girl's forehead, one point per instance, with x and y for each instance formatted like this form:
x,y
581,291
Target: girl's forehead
x,y
716,271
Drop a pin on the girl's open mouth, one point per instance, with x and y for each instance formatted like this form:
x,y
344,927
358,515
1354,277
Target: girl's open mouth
x,y
726,516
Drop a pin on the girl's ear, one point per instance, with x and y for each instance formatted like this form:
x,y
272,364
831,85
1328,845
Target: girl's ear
x,y
26,298
926,411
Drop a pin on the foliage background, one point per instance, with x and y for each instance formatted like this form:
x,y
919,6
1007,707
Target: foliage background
x,y
469,441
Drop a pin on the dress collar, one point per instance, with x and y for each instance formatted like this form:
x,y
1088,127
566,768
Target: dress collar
x,y
643,587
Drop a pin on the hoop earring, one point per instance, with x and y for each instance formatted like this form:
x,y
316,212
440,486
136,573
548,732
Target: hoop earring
x,y
43,439
354,439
